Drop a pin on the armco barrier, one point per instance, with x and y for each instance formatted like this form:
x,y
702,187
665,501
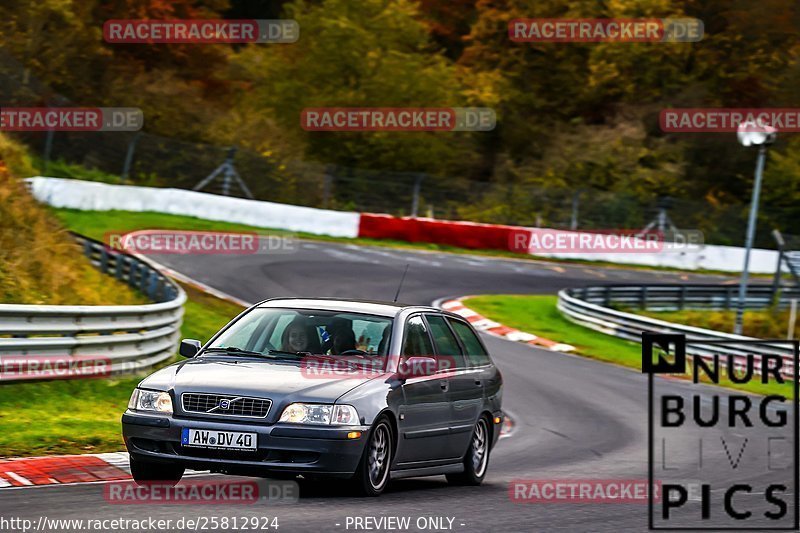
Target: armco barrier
x,y
128,337
589,307
87,195
461,234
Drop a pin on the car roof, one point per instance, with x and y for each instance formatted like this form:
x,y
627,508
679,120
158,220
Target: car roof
x,y
370,307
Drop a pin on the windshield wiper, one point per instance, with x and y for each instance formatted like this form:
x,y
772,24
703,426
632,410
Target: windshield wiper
x,y
293,354
234,350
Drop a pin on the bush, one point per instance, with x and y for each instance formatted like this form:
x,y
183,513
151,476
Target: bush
x,y
15,157
39,261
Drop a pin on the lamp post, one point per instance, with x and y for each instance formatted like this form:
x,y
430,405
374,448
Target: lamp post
x,y
752,134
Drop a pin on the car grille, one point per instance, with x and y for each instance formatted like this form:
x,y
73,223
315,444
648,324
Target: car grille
x,y
210,404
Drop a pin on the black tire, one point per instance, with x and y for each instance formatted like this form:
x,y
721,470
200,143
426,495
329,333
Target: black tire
x,y
148,472
476,460
372,474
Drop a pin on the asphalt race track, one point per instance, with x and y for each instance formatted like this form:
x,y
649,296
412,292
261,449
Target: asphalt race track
x,y
349,271
575,418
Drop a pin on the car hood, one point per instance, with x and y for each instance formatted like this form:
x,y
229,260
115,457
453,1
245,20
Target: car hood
x,y
281,381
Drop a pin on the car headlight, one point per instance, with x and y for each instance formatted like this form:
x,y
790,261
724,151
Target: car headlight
x,y
148,400
317,413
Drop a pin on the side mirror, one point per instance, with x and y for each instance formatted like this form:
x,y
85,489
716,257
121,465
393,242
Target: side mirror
x,y
189,347
417,366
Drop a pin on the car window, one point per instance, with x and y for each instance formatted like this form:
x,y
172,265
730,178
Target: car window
x,y
277,330
371,336
242,336
476,355
416,340
446,343
309,330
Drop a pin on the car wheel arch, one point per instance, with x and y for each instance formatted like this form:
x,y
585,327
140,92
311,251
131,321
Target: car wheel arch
x,y
490,426
393,426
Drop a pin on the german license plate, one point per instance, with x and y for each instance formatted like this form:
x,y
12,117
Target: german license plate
x,y
212,438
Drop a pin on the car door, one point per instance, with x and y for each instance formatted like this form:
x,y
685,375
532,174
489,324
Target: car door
x,y
424,417
465,387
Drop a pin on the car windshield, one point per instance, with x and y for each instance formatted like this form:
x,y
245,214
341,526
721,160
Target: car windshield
x,y
306,331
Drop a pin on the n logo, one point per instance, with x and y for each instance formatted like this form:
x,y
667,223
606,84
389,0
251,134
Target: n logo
x,y
669,351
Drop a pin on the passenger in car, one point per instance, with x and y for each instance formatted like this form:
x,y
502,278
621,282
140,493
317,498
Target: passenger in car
x,y
300,337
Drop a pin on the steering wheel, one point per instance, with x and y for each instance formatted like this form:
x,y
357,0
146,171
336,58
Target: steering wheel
x,y
353,352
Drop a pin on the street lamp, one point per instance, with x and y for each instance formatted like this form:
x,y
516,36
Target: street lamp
x,y
752,134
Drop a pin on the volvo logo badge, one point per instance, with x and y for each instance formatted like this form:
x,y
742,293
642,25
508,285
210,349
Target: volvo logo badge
x,y
224,404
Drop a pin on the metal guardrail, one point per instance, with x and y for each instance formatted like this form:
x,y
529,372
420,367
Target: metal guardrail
x,y
592,307
669,297
128,337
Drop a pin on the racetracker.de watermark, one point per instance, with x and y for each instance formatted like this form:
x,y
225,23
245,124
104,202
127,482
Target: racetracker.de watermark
x,y
580,491
622,30
152,242
398,119
25,367
202,492
728,120
210,31
619,241
366,367
71,119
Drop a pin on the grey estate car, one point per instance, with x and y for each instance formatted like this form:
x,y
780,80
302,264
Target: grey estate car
x,y
367,391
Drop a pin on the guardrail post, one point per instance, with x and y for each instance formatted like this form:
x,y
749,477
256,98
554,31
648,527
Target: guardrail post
x,y
152,287
728,293
132,273
163,290
143,278
682,301
103,261
120,260
606,296
87,248
643,297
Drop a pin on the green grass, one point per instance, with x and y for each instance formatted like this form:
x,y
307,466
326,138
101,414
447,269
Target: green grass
x,y
97,224
62,169
538,315
769,323
83,416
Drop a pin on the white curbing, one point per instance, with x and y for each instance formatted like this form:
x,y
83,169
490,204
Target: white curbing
x,y
491,327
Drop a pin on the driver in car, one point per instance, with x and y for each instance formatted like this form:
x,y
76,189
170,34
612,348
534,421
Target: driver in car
x,y
344,340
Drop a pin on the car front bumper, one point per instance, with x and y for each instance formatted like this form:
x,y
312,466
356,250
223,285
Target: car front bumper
x,y
282,448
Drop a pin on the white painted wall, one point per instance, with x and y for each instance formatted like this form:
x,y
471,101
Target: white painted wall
x,y
710,257
707,257
89,195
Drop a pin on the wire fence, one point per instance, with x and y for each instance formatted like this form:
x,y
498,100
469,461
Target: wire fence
x,y
146,159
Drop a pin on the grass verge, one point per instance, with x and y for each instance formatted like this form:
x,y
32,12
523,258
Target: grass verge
x,y
770,323
83,416
538,315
